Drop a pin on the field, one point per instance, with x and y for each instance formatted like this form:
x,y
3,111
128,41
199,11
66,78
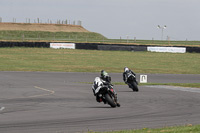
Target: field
x,y
66,60
73,33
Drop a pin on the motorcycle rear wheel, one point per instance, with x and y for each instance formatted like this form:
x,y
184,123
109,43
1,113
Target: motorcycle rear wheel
x,y
135,87
110,100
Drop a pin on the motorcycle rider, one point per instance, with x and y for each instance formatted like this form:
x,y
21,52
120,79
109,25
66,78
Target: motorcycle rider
x,y
125,75
106,80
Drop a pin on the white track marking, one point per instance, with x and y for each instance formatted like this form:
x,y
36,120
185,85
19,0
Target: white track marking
x,y
50,92
2,108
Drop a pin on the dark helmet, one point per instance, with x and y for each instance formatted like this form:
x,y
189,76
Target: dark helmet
x,y
105,76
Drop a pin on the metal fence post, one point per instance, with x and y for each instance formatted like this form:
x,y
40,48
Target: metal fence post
x,y
23,37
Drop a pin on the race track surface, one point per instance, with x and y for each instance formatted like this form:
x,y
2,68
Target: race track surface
x,y
53,102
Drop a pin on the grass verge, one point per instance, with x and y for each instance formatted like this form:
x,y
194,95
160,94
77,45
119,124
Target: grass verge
x,y
193,85
180,129
67,60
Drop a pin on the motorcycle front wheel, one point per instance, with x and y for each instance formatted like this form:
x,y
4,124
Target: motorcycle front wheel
x,y
110,100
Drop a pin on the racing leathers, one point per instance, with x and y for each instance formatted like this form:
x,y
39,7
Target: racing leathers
x,y
125,76
97,85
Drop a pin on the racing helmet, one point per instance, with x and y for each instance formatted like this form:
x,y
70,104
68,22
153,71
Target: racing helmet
x,y
126,69
105,76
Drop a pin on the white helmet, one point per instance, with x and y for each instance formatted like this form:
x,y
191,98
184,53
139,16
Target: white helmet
x,y
126,69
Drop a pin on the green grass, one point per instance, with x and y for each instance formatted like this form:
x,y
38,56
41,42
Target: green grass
x,y
90,37
193,85
67,60
154,42
180,129
50,36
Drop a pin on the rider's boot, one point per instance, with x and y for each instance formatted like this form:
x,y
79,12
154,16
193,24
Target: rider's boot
x,y
118,105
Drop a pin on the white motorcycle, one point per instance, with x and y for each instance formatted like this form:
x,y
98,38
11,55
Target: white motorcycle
x,y
105,92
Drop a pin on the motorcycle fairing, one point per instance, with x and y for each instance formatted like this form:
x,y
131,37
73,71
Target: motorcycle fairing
x,y
97,84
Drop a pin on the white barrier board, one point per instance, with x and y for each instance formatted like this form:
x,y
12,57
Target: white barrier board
x,y
62,45
143,78
167,49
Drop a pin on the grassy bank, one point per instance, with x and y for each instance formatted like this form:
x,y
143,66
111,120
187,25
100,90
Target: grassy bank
x,y
180,129
82,37
66,60
50,36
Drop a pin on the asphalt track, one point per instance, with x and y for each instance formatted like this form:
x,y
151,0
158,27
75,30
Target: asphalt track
x,y
53,102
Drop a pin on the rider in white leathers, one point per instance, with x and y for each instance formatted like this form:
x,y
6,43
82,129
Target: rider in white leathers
x,y
104,79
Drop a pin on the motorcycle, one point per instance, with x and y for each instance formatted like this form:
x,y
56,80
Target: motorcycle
x,y
105,93
131,81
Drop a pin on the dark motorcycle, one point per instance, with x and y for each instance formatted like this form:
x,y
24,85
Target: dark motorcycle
x,y
131,81
108,96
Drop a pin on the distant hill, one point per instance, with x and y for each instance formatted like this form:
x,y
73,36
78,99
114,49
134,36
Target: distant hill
x,y
47,32
41,27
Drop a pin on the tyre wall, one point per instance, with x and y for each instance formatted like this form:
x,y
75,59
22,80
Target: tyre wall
x,y
115,47
193,49
25,44
122,47
91,46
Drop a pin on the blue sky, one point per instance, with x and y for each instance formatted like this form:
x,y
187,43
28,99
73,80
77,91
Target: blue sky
x,y
114,18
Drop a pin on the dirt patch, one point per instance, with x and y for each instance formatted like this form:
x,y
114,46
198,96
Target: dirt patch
x,y
42,27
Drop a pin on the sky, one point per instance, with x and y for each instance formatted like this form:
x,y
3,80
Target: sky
x,y
115,19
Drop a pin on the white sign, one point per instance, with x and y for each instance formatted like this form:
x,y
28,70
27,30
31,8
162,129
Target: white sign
x,y
143,78
62,45
167,49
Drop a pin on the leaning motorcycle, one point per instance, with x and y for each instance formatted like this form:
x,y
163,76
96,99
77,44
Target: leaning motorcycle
x,y
131,81
105,92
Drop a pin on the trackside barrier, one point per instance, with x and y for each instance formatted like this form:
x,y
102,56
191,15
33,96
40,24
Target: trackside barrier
x,y
193,49
122,47
24,44
62,45
89,46
167,49
94,46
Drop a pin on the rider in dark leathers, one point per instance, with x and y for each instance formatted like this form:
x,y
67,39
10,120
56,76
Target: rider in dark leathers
x,y
125,76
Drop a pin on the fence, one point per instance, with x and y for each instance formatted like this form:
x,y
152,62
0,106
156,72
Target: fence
x,y
48,21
